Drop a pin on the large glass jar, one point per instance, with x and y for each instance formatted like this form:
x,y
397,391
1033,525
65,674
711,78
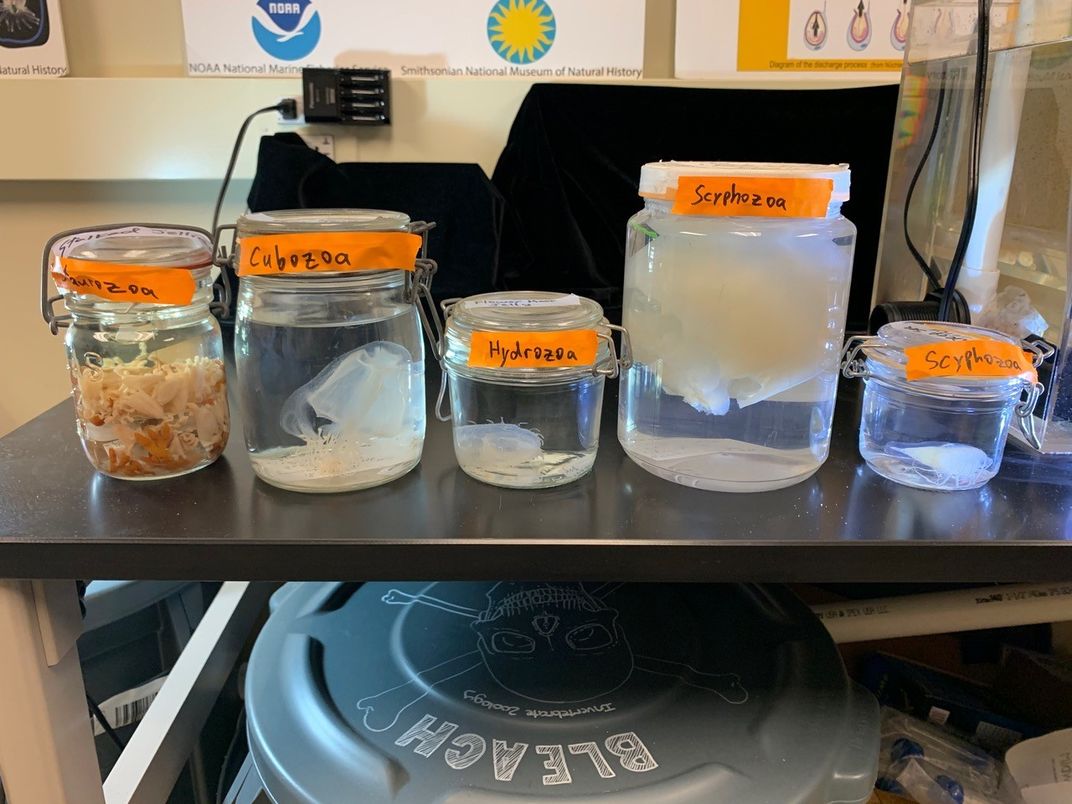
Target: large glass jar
x,y
526,372
143,348
328,347
943,428
736,286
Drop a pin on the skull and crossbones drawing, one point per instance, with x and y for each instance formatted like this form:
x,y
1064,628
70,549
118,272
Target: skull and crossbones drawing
x,y
552,643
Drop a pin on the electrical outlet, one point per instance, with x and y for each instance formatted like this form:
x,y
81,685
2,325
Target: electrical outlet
x,y
296,121
321,143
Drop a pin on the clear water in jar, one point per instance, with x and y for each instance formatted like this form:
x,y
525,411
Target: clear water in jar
x,y
736,325
150,395
526,436
928,443
332,407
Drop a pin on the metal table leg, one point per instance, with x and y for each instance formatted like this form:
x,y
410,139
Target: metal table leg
x,y
47,753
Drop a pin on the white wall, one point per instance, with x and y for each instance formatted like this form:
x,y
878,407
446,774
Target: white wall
x,y
97,148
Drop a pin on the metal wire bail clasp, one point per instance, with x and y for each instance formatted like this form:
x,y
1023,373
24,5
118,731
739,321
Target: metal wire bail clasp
x,y
853,357
418,289
223,260
617,364
1025,408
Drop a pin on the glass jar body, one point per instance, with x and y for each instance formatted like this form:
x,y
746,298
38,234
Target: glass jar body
x,y
736,325
330,379
525,434
933,443
149,387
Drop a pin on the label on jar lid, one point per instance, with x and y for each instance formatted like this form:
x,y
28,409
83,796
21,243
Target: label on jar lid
x,y
327,252
123,282
982,357
567,348
752,196
572,300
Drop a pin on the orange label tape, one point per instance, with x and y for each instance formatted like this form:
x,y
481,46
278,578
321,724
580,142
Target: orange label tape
x,y
752,196
121,282
327,252
977,358
571,347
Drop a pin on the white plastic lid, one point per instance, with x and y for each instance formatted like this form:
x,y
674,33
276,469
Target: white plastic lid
x,y
659,179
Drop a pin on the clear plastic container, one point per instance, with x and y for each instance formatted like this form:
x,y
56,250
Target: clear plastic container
x,y
736,319
535,426
143,347
330,362
937,433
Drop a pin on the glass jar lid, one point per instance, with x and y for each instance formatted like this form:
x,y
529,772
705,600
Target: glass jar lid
x,y
888,360
666,180
371,247
526,333
292,221
134,264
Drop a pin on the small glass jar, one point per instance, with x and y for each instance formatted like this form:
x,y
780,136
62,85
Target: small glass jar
x,y
526,372
328,346
143,347
941,433
735,296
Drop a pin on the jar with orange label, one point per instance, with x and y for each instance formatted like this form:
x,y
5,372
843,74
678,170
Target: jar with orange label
x,y
939,399
143,347
735,296
526,372
328,345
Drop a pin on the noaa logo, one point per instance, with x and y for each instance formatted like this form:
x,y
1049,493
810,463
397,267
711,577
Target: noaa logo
x,y
286,29
521,31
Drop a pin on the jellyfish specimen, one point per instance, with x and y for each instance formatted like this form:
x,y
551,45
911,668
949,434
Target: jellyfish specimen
x,y
859,34
815,29
496,444
16,18
899,30
361,395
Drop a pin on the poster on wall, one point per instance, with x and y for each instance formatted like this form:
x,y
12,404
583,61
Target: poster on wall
x,y
31,39
548,39
790,36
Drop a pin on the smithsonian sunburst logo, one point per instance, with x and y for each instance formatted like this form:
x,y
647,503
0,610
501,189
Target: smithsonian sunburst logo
x,y
521,31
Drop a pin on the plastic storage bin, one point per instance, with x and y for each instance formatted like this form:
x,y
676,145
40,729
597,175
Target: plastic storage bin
x,y
143,348
665,694
526,374
736,286
328,346
939,399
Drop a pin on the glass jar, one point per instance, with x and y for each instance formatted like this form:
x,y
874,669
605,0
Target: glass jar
x,y
328,346
526,372
946,431
143,348
736,289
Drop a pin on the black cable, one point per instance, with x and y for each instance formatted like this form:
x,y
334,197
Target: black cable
x,y
978,99
287,106
933,279
97,713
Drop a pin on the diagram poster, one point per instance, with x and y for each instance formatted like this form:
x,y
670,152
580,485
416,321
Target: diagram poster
x,y
31,39
715,37
548,39
828,35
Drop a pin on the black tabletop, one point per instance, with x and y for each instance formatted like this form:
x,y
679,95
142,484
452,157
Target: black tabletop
x,y
59,519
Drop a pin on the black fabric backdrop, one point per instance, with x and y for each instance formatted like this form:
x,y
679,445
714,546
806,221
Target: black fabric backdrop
x,y
571,166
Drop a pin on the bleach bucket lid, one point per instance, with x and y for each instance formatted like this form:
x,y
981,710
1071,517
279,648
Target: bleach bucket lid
x,y
659,180
410,693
